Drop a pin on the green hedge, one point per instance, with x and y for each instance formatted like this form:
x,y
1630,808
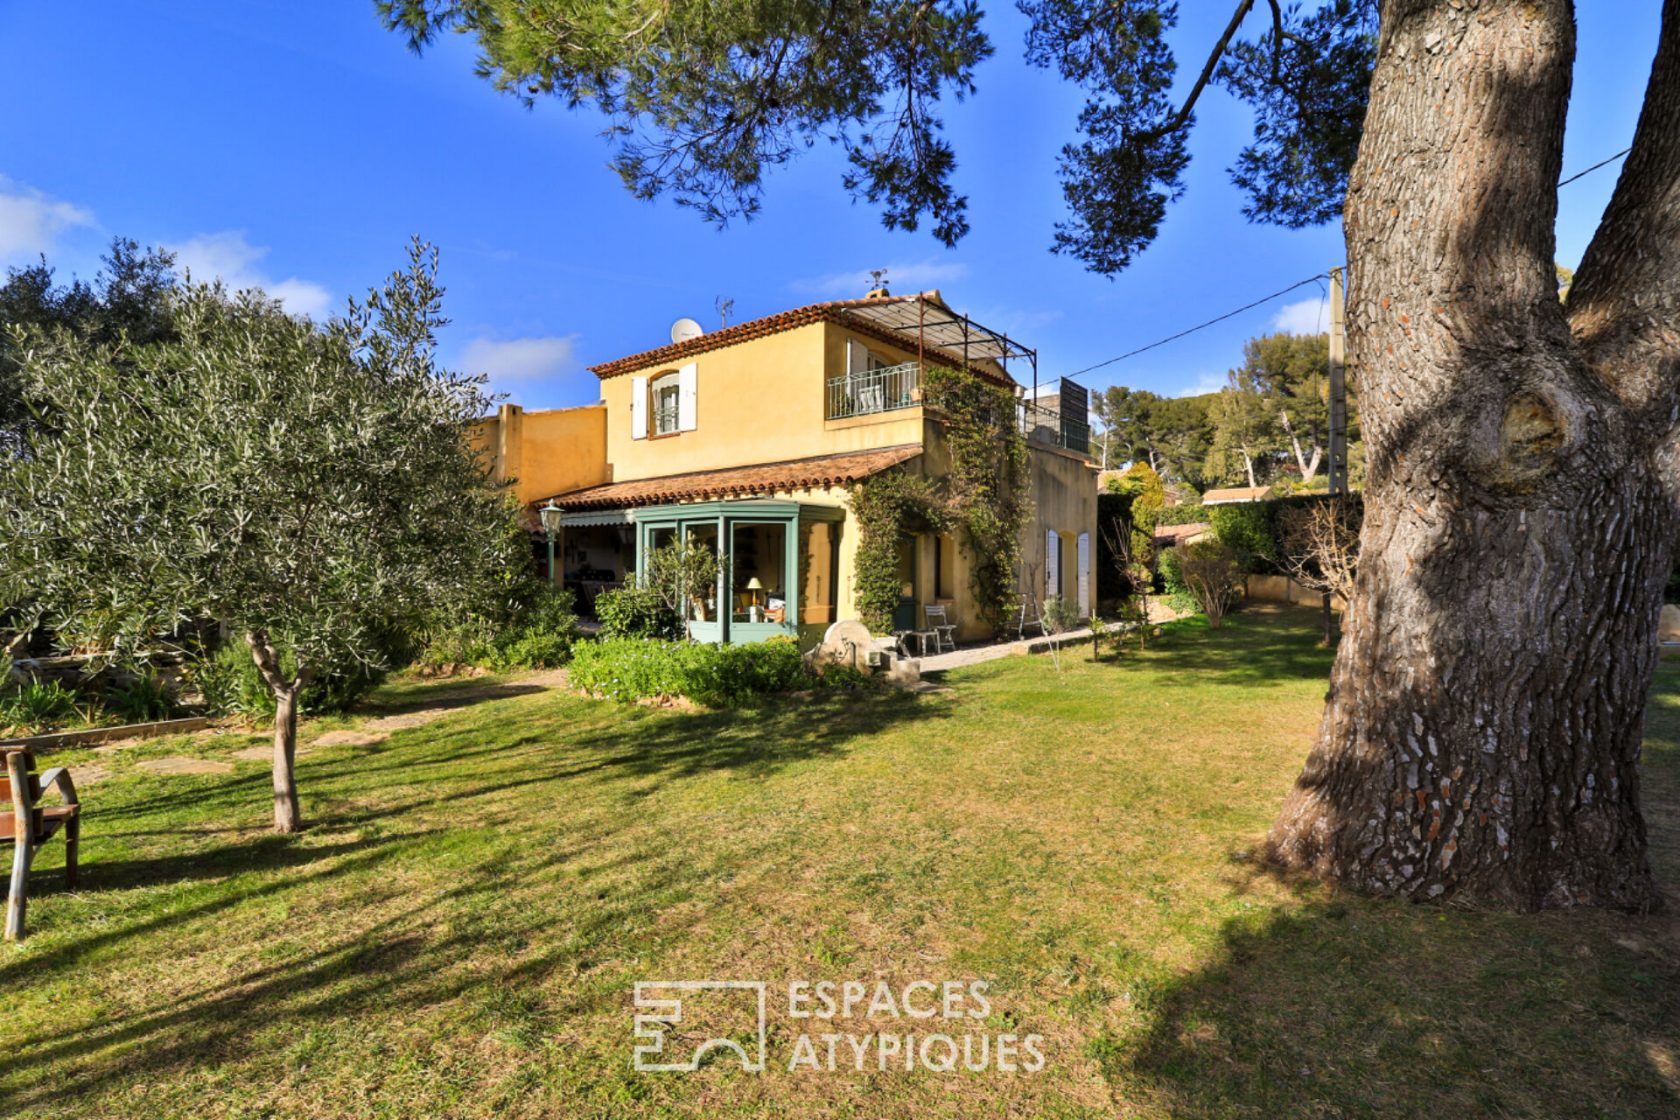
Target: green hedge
x,y
715,676
1250,529
1188,514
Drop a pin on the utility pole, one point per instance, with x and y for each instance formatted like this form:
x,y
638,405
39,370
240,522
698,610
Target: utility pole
x,y
1338,387
1337,473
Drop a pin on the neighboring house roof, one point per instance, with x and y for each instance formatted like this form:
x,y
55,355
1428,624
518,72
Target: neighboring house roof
x,y
794,474
899,320
1169,535
1236,494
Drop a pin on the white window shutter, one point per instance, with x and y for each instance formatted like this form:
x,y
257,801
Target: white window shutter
x,y
638,407
687,390
1085,575
857,356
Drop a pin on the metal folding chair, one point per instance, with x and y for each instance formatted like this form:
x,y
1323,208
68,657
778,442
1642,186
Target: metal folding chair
x,y
943,629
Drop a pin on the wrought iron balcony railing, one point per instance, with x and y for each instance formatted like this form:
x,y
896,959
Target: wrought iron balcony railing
x,y
877,390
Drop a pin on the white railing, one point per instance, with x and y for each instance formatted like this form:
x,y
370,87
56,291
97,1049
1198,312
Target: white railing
x,y
877,390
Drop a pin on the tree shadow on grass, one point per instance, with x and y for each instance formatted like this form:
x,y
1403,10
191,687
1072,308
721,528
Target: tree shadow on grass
x,y
523,901
475,954
1382,1009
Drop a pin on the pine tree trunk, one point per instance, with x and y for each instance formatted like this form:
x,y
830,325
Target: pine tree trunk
x,y
1482,735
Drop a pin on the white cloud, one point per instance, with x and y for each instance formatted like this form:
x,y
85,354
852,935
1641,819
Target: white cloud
x,y
522,359
30,222
1206,383
1309,316
903,277
231,258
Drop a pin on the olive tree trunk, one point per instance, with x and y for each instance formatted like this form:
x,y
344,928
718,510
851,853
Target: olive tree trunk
x,y
288,815
1482,734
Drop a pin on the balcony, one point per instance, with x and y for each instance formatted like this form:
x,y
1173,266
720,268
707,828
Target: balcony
x,y
877,390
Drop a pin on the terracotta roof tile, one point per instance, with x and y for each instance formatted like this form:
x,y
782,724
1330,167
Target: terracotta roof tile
x,y
1236,494
831,310
1173,534
763,478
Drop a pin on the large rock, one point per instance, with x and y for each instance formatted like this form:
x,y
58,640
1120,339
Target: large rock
x,y
1668,624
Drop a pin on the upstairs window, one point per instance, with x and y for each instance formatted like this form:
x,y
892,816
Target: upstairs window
x,y
666,394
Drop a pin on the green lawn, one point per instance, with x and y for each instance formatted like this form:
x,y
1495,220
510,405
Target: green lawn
x,y
459,930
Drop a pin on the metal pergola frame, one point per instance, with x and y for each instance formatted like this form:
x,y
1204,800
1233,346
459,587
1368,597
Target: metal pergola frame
x,y
936,327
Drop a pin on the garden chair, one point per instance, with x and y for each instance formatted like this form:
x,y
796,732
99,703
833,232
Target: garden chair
x,y
28,825
939,624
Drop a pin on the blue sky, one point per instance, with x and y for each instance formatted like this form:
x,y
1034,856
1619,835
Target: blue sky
x,y
296,146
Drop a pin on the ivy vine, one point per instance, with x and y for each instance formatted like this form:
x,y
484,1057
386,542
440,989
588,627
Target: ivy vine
x,y
885,506
984,496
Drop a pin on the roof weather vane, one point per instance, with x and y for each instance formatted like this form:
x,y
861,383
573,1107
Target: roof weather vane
x,y
878,280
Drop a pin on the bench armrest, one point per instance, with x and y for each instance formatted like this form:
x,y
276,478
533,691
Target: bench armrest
x,y
60,777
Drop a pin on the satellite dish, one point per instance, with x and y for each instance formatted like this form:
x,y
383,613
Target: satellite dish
x,y
684,329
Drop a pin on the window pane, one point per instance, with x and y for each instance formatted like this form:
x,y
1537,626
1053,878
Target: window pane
x,y
665,392
758,561
702,602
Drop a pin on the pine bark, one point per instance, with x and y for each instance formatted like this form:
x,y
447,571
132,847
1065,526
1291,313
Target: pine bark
x,y
1482,734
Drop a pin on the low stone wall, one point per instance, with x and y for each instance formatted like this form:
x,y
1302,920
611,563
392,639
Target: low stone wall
x,y
1282,589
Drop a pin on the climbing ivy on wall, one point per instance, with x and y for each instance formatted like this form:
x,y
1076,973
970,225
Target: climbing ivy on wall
x,y
885,506
988,483
984,496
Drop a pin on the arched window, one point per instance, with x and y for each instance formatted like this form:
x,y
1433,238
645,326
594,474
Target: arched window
x,y
666,392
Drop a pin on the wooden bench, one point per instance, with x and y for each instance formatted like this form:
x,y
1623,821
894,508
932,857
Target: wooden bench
x,y
29,824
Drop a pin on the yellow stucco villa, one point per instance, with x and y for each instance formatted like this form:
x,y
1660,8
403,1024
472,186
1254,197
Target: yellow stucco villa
x,y
748,440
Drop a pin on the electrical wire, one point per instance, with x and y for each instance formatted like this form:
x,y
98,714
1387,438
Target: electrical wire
x,y
1298,284
1200,326
1594,167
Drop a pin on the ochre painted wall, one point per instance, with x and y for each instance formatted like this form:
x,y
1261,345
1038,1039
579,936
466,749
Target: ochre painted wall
x,y
1064,489
546,452
760,401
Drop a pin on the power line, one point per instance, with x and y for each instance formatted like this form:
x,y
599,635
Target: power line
x,y
1200,326
1595,167
1298,284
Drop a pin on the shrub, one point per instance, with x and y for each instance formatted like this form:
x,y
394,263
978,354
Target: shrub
x,y
713,675
1173,588
636,612
36,706
1246,529
542,633
141,700
232,685
1214,575
537,632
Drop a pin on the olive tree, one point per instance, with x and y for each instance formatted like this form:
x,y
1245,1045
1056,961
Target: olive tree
x,y
307,486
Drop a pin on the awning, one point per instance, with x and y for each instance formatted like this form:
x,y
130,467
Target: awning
x,y
765,478
598,517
